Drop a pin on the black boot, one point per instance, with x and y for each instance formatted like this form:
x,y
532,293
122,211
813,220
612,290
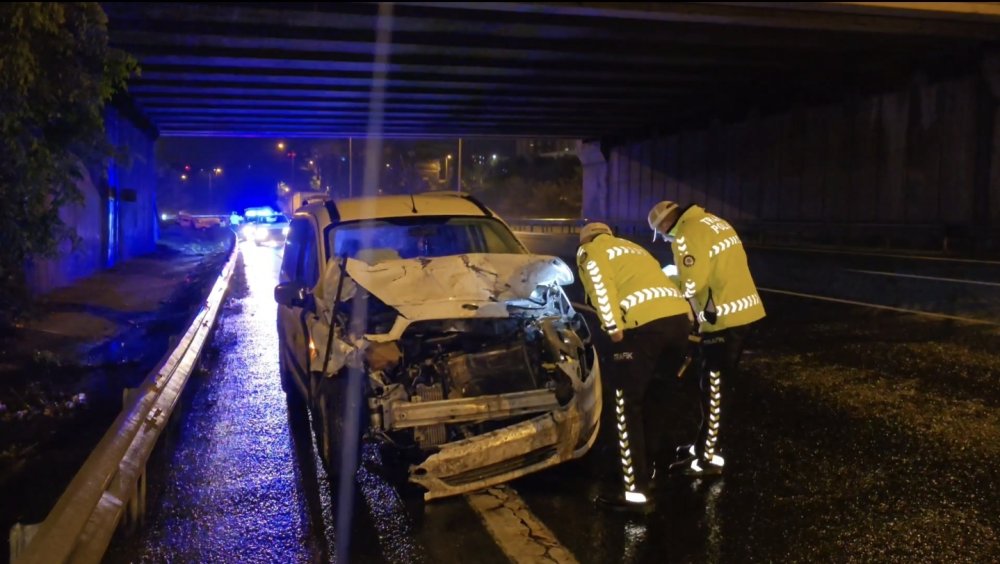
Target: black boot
x,y
684,451
698,468
633,503
681,464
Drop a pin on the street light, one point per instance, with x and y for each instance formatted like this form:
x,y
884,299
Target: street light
x,y
217,171
184,177
291,155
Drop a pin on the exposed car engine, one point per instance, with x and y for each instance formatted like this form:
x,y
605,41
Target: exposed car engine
x,y
536,348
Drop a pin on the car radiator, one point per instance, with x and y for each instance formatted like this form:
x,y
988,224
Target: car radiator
x,y
429,435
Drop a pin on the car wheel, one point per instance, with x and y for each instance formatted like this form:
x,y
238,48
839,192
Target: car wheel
x,y
292,393
331,423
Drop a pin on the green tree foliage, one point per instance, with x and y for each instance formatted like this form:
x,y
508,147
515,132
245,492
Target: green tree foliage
x,y
56,74
533,187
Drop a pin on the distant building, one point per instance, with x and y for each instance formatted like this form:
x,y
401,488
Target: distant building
x,y
545,147
116,219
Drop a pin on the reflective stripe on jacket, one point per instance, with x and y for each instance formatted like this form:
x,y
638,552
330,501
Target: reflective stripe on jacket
x,y
625,284
712,268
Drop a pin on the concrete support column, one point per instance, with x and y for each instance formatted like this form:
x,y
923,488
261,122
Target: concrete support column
x,y
595,179
987,179
986,187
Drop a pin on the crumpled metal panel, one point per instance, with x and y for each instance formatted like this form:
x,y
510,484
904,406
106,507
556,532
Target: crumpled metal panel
x,y
509,453
452,287
459,279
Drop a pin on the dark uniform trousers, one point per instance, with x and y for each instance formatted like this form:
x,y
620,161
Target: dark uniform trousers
x,y
721,352
654,350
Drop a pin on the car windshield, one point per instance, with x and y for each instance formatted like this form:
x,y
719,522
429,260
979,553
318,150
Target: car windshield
x,y
270,219
383,239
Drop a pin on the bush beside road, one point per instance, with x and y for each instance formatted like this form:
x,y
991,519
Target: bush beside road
x,y
62,373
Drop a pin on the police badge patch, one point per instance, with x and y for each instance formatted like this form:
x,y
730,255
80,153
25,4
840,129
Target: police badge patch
x,y
688,261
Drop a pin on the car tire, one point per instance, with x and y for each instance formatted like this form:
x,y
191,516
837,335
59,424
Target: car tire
x,y
292,393
329,419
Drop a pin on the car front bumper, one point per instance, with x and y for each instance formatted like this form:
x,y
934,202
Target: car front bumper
x,y
561,434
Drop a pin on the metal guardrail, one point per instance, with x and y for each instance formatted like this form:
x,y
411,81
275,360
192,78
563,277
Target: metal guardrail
x,y
546,224
937,237
112,483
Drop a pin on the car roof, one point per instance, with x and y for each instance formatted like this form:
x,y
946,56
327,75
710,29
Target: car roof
x,y
425,204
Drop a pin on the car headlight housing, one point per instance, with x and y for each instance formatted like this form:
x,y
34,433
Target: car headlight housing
x,y
248,230
284,231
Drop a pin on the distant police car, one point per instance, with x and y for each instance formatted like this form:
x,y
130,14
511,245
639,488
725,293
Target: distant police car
x,y
264,226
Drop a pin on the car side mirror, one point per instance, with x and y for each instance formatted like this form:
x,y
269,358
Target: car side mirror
x,y
292,294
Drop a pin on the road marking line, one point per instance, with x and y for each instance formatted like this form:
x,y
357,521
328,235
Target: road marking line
x,y
877,306
515,529
921,277
873,254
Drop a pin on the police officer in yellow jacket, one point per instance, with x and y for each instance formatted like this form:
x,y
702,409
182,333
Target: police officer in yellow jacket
x,y
648,321
713,273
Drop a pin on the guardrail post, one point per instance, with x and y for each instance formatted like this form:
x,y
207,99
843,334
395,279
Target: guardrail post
x,y
20,536
128,395
135,509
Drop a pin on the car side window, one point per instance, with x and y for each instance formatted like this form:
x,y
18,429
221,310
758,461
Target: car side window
x,y
293,250
309,265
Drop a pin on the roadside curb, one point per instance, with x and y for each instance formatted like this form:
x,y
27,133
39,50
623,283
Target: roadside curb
x,y
112,479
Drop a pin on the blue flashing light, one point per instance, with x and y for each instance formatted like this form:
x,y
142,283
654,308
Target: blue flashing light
x,y
260,212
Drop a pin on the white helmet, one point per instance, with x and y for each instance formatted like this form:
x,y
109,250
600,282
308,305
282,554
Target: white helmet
x,y
658,213
592,230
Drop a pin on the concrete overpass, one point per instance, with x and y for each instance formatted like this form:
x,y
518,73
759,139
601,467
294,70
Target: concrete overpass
x,y
527,69
820,117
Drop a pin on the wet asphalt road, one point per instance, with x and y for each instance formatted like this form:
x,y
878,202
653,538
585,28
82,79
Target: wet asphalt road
x,y
854,434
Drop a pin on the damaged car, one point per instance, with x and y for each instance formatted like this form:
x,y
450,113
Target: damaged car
x,y
422,324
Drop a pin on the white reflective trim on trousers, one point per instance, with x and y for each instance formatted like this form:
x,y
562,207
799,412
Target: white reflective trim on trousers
x,y
715,460
714,413
635,497
628,472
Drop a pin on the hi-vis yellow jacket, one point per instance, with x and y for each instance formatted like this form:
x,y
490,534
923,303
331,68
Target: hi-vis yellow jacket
x,y
625,284
712,268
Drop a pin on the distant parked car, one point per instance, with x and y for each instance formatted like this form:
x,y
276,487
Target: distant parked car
x,y
185,219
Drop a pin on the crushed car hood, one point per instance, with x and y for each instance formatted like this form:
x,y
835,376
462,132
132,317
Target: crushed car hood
x,y
469,285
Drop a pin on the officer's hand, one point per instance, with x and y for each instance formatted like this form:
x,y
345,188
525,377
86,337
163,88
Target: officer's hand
x,y
617,336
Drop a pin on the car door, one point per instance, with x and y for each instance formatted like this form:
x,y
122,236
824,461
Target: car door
x,y
300,264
